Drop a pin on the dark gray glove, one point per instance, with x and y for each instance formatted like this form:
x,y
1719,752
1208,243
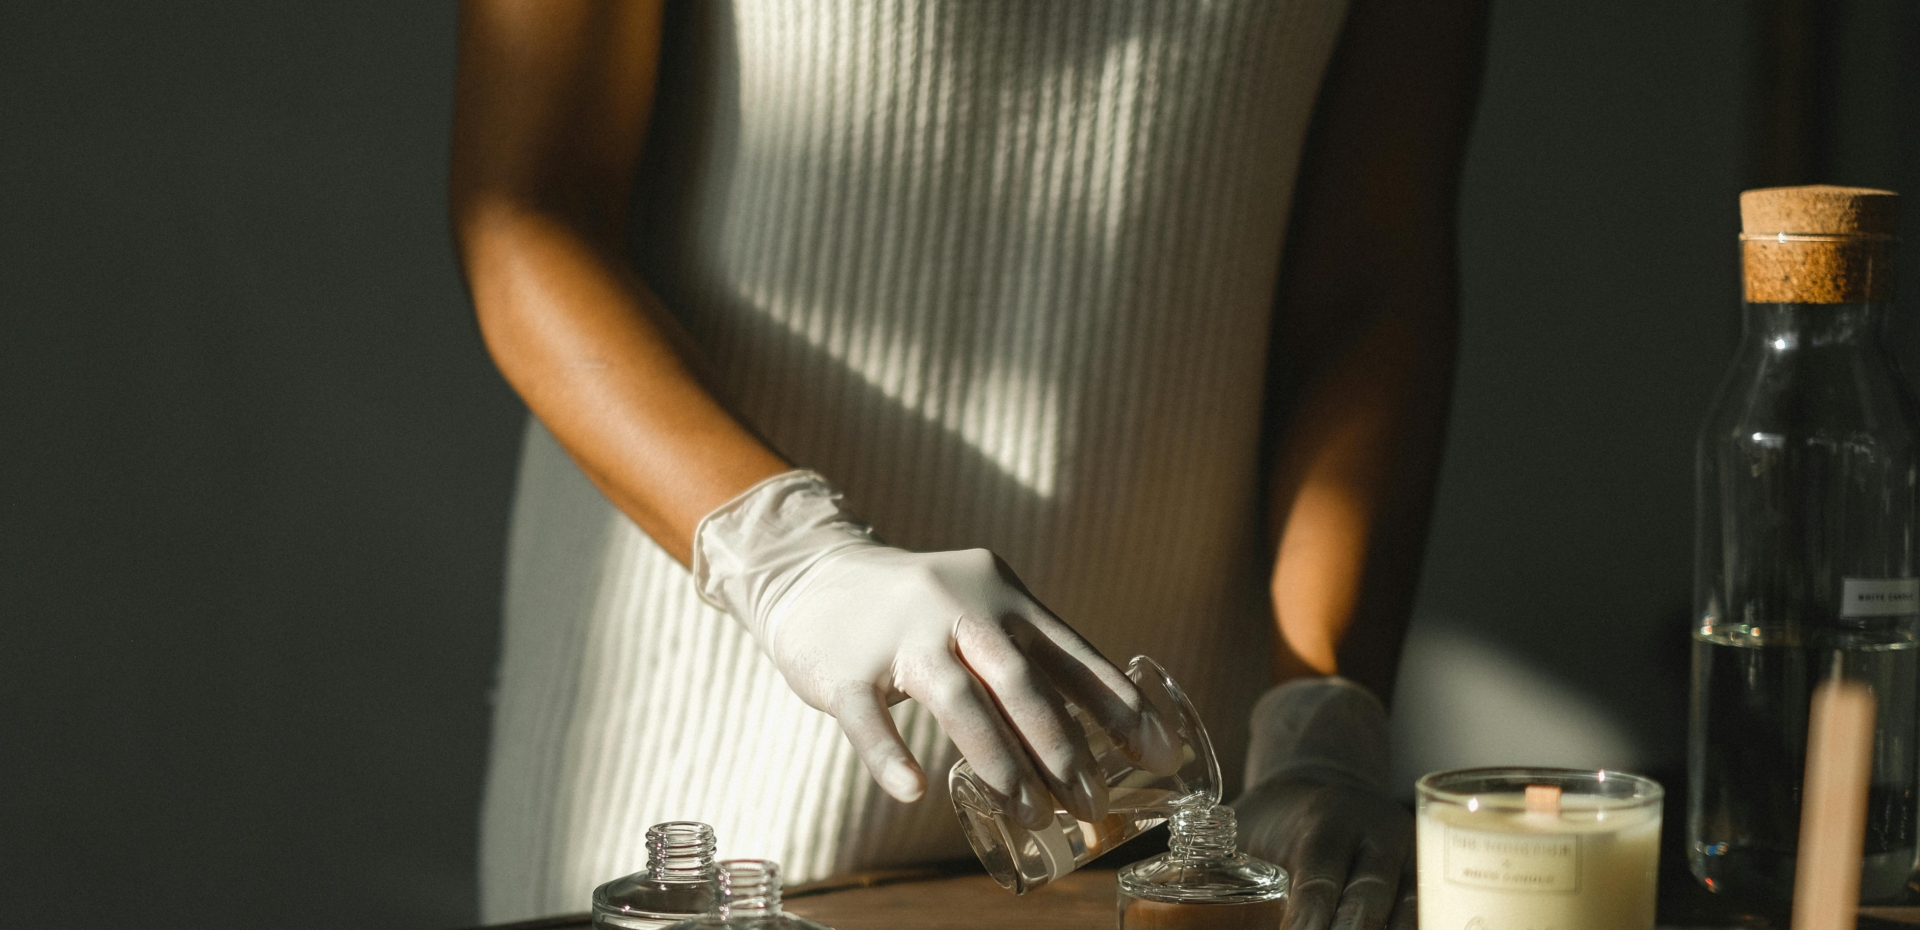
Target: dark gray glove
x,y
1317,805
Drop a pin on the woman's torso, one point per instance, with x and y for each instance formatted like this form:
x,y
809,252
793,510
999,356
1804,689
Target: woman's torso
x,y
1001,271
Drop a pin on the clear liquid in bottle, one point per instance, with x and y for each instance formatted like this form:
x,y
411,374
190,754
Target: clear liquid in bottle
x,y
1750,708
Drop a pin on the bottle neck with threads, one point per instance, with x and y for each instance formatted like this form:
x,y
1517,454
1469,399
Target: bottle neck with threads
x,y
681,851
749,889
1202,831
1202,866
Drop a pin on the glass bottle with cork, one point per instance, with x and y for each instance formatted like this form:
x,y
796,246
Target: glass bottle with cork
x,y
1805,544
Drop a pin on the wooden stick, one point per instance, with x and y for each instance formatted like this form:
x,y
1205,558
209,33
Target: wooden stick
x,y
1543,799
1833,807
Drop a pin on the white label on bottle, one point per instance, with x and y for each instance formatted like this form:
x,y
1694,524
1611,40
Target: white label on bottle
x,y
1513,861
1879,597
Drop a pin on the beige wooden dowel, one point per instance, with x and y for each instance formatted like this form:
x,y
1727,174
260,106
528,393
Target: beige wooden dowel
x,y
1833,807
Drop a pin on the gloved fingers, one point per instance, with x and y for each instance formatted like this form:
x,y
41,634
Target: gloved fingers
x,y
862,715
1371,887
1086,678
1029,703
960,703
1406,905
1319,867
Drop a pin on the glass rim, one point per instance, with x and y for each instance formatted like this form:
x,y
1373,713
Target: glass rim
x,y
1183,705
1646,791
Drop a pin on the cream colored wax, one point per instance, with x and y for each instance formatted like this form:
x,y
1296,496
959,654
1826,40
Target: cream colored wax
x,y
1592,866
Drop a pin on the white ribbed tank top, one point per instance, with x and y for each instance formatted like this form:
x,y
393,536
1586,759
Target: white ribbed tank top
x,y
1002,272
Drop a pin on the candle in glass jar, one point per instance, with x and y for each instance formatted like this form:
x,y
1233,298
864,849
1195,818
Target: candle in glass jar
x,y
1537,849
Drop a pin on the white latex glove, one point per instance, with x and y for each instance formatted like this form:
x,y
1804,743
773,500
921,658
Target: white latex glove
x,y
855,626
1317,805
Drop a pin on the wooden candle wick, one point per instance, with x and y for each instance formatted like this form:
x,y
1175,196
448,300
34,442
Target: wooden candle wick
x,y
1833,809
1543,799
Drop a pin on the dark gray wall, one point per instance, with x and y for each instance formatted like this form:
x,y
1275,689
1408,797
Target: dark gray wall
x,y
253,471
254,465
1601,283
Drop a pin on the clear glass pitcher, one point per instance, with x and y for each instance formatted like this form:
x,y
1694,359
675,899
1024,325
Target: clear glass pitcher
x,y
1804,563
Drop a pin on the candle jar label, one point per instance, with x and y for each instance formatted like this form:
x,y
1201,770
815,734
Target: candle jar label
x,y
1513,861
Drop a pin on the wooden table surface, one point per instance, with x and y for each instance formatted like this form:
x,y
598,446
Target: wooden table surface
x,y
1081,901
935,900
930,899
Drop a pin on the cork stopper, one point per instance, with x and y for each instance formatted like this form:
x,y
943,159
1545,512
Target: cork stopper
x,y
1819,209
1818,244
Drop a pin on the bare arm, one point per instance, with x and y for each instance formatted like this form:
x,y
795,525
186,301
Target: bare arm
x,y
551,109
550,113
1364,337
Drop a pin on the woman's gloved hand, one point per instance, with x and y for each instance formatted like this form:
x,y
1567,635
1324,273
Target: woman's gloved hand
x,y
855,626
1317,805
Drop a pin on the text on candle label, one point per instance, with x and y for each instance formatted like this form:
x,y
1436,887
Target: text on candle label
x,y
1513,861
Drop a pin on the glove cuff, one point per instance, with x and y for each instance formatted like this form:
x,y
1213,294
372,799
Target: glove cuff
x,y
1330,726
751,550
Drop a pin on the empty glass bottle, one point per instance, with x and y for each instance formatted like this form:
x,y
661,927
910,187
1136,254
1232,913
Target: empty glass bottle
x,y
679,882
1805,549
1201,882
750,898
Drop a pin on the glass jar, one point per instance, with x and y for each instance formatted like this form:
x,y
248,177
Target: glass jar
x,y
1519,848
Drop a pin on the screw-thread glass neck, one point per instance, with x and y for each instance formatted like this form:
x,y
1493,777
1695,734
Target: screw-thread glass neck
x,y
749,888
1201,831
680,850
